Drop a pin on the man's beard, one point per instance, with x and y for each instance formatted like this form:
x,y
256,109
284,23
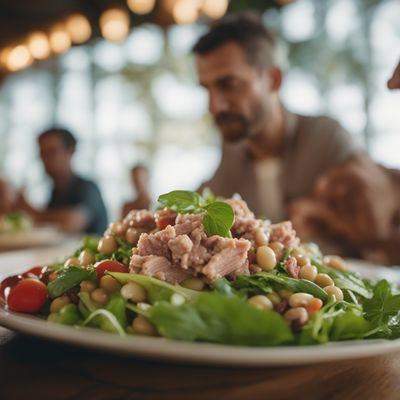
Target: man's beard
x,y
239,126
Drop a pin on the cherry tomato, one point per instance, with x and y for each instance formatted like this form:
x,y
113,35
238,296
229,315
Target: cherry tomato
x,y
111,266
37,271
7,284
28,296
52,276
314,305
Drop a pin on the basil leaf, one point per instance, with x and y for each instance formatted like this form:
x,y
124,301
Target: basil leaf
x,y
182,201
349,326
219,219
69,278
383,305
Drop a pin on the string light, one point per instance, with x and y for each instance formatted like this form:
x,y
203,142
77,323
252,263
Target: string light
x,y
186,11
215,8
114,24
59,39
141,6
38,45
78,28
18,58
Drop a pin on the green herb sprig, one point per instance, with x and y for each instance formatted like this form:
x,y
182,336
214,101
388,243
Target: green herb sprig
x,y
218,216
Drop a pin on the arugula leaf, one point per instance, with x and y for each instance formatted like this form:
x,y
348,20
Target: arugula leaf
x,y
156,289
344,279
218,216
68,278
220,319
383,305
252,285
117,306
222,286
218,219
105,320
297,285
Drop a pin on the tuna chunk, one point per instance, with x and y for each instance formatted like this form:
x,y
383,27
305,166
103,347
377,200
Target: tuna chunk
x,y
162,268
180,248
285,234
245,223
233,257
140,219
186,223
156,244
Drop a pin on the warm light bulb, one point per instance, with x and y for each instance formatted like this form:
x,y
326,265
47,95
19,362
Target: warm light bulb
x,y
18,58
114,24
78,28
141,6
60,41
186,11
38,45
215,8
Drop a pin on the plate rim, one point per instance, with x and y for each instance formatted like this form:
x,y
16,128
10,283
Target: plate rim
x,y
195,352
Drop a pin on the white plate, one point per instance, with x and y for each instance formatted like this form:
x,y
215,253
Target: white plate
x,y
201,353
38,236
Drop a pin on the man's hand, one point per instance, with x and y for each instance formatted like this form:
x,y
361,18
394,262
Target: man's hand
x,y
363,197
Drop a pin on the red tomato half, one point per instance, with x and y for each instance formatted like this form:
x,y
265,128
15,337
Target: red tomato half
x,y
28,296
37,271
7,284
110,266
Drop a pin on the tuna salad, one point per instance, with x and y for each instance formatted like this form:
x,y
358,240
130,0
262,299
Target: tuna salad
x,y
206,269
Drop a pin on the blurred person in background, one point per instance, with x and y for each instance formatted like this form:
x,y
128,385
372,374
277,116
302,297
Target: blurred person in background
x,y
75,204
270,156
7,197
355,208
139,175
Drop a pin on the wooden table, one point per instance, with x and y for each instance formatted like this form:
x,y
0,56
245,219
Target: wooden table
x,y
31,368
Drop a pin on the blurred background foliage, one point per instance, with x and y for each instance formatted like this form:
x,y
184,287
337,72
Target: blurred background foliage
x,y
135,98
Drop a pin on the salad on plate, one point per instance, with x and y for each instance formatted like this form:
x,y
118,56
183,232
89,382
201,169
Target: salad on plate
x,y
207,270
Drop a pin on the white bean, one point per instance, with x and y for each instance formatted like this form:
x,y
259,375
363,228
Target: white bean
x,y
134,292
260,238
308,272
323,280
266,258
141,326
334,291
193,283
107,245
299,299
335,262
297,314
261,302
99,296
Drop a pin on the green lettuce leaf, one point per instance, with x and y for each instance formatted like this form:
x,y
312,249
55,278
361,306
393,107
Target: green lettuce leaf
x,y
156,289
220,319
69,278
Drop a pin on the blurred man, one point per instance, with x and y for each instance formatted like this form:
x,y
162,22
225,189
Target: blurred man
x,y
7,198
356,205
270,156
75,204
140,183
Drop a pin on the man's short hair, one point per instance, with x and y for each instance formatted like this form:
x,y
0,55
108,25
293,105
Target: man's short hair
x,y
65,135
245,29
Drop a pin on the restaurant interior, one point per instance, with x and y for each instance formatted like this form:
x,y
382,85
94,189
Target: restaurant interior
x,y
124,78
